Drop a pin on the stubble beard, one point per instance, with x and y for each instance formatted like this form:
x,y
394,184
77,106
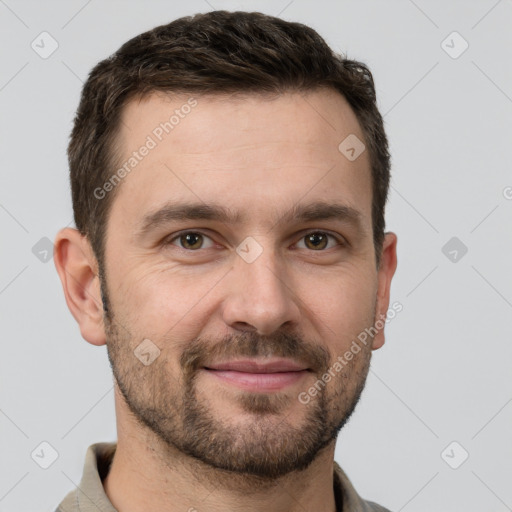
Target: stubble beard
x,y
253,449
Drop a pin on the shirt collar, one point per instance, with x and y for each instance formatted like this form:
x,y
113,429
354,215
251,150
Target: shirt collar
x,y
90,495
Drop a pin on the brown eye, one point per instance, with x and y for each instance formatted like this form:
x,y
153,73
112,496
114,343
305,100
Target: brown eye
x,y
318,240
190,240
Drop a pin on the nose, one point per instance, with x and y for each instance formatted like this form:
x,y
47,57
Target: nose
x,y
260,296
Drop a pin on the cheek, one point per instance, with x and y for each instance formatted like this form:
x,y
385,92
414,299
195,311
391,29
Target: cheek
x,y
163,301
342,305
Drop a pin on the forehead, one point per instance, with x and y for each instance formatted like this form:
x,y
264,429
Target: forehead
x,y
313,117
251,153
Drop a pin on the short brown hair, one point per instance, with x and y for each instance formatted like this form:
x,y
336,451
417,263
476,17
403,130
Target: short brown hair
x,y
218,52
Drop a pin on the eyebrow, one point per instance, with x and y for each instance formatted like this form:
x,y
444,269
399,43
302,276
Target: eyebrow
x,y
317,211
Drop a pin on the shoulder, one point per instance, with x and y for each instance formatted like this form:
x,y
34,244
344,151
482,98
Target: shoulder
x,y
374,507
350,498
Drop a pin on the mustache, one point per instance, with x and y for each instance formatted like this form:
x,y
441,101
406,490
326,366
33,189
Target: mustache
x,y
200,351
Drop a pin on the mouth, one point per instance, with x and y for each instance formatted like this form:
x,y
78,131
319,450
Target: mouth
x,y
258,375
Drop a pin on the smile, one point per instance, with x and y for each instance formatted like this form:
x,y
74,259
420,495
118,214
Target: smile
x,y
253,381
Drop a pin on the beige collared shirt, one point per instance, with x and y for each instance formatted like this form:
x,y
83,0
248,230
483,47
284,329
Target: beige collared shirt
x,y
90,496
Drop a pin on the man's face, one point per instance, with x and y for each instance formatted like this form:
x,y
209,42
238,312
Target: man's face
x,y
272,285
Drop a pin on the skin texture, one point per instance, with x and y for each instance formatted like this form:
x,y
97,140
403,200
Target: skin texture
x,y
187,439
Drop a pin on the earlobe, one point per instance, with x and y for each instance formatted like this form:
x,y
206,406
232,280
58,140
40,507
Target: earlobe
x,y
384,276
78,272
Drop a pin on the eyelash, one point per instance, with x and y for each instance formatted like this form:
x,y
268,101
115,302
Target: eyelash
x,y
169,241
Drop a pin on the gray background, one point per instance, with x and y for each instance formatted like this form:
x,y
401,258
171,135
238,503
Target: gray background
x,y
443,374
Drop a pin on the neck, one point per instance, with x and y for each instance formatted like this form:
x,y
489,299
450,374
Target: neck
x,y
147,474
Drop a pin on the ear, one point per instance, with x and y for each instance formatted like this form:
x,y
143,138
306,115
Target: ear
x,y
78,271
385,273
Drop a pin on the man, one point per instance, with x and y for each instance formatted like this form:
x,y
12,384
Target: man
x,y
229,175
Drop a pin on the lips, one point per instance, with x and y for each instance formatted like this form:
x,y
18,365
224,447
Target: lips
x,y
258,375
258,366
